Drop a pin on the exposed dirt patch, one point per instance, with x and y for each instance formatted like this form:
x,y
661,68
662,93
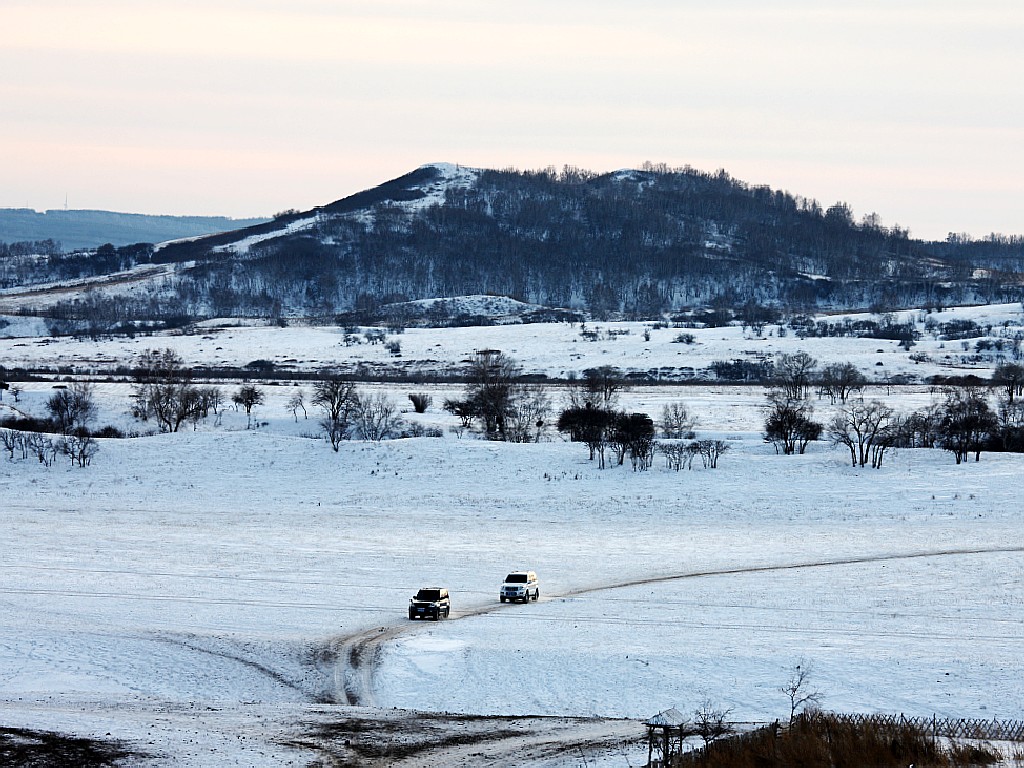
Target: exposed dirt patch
x,y
23,747
397,737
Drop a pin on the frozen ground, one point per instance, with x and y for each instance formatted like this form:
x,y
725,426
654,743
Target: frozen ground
x,y
189,593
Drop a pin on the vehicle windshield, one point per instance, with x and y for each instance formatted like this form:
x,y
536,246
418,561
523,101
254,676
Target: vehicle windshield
x,y
515,578
429,594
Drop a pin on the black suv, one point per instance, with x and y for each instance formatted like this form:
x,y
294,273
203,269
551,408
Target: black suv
x,y
430,602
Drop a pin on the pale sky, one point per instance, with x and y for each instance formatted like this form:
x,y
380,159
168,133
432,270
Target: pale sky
x,y
911,109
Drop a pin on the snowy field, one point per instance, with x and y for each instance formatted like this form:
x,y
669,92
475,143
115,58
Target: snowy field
x,y
184,592
550,349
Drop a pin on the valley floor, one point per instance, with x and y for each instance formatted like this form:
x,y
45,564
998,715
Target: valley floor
x,y
192,594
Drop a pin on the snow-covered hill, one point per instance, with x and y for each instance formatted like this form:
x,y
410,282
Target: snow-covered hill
x,y
631,244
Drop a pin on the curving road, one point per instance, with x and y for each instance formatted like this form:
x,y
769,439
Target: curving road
x,y
355,657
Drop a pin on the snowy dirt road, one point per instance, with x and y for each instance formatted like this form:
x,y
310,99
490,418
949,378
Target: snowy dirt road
x,y
352,661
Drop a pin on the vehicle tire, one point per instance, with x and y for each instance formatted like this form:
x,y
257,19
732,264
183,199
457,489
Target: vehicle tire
x,y
412,615
536,595
437,614
447,612
502,598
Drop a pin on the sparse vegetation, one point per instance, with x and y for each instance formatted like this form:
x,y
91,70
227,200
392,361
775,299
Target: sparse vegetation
x,y
820,740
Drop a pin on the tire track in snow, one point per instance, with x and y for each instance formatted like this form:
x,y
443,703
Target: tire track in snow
x,y
262,669
795,566
355,657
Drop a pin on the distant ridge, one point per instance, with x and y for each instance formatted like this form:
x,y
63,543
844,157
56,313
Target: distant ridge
x,y
89,229
635,243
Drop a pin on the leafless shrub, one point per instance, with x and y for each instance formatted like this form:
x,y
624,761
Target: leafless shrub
x,y
420,401
675,454
710,451
80,448
42,448
377,417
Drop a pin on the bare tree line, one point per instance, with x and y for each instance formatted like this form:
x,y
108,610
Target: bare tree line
x,y
964,423
499,404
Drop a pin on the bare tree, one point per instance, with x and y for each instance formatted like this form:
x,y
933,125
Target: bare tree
x,y
80,447
1011,424
248,396
920,429
164,390
632,434
840,380
491,388
210,399
336,431
42,447
334,396
72,408
338,401
1009,376
798,690
603,386
464,409
867,430
789,425
296,403
14,440
377,417
673,453
678,454
756,317
10,439
967,422
588,425
575,395
173,403
528,413
711,724
794,374
677,423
